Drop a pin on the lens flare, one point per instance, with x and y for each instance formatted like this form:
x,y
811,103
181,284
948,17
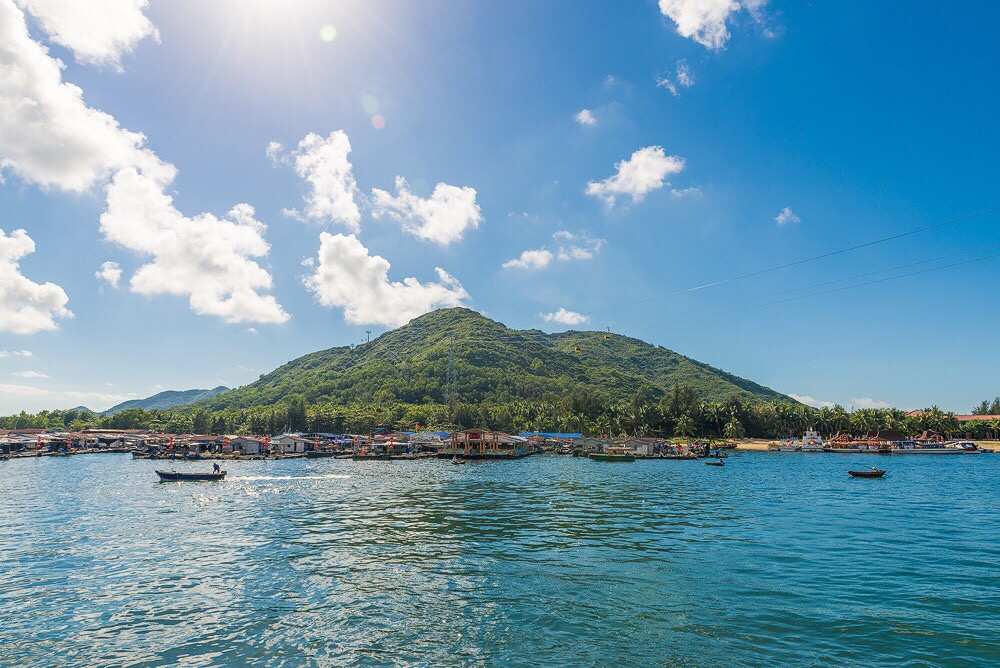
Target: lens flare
x,y
370,104
378,121
328,33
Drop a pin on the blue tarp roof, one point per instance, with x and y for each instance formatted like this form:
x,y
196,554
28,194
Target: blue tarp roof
x,y
549,434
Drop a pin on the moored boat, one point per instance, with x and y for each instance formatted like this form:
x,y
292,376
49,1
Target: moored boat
x,y
717,462
874,473
914,448
812,441
189,475
614,454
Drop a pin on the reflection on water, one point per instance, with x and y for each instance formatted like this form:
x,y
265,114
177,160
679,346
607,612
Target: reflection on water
x,y
773,559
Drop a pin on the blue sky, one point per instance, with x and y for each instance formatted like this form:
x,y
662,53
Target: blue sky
x,y
706,119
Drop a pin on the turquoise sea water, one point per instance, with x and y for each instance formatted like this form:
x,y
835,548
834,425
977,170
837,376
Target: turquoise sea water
x,y
774,559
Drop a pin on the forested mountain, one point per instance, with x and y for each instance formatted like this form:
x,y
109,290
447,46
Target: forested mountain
x,y
167,399
490,362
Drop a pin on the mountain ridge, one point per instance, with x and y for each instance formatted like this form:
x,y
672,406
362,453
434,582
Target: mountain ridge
x,y
166,399
492,363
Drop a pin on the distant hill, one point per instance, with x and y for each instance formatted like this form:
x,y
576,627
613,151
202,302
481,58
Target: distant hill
x,y
166,399
491,363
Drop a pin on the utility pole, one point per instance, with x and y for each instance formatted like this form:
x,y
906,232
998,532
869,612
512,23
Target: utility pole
x,y
369,337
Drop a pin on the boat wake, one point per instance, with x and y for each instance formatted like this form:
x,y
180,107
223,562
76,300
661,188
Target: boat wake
x,y
327,476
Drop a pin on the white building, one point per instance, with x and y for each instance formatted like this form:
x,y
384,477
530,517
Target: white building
x,y
290,443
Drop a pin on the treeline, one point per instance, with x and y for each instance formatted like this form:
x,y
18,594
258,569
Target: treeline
x,y
680,412
988,407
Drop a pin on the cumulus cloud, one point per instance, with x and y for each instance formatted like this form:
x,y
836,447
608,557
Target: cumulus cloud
x,y
49,136
564,317
868,402
30,374
530,260
110,273
348,277
98,32
579,246
324,165
26,307
442,218
15,353
206,258
786,216
642,173
810,401
684,79
585,117
704,21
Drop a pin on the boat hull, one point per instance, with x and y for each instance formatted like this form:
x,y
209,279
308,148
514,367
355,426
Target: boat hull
x,y
867,474
176,476
612,458
928,451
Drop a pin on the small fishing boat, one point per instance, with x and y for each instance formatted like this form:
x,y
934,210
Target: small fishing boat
x,y
379,456
717,462
320,454
186,475
459,460
614,454
874,473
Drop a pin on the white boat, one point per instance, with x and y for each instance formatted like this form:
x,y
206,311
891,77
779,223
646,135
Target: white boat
x,y
914,448
812,441
789,445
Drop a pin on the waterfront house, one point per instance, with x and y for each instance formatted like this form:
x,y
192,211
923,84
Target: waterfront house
x,y
291,443
645,447
590,444
246,445
480,442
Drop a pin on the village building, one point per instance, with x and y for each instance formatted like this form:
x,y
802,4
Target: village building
x,y
479,442
291,443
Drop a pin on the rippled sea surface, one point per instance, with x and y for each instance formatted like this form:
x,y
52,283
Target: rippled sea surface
x,y
774,559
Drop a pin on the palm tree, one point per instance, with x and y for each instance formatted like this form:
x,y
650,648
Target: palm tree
x,y
685,426
734,430
713,412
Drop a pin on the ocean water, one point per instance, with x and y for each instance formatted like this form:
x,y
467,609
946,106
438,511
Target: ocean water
x,y
776,559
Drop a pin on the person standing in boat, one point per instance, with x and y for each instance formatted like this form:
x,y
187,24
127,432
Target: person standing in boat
x,y
216,468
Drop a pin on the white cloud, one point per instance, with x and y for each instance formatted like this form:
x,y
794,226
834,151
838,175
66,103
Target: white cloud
x,y
324,164
30,374
110,273
15,353
786,216
205,257
686,192
530,260
49,136
578,246
810,401
644,172
663,82
684,79
347,276
15,398
564,317
585,117
868,402
250,330
684,76
442,218
26,307
704,21
98,32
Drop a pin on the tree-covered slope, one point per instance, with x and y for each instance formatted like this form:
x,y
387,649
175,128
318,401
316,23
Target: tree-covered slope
x,y
166,399
491,363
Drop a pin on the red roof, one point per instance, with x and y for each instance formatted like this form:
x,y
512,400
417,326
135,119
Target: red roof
x,y
970,418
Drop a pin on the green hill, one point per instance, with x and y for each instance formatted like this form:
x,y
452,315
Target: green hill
x,y
491,363
166,399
